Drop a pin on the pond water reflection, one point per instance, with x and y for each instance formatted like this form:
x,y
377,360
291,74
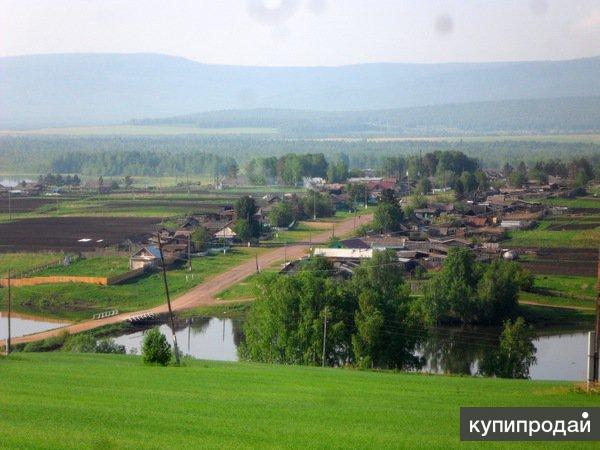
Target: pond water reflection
x,y
560,356
199,337
21,324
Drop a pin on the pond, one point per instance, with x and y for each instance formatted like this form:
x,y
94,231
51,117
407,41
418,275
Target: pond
x,y
21,324
198,337
560,356
12,181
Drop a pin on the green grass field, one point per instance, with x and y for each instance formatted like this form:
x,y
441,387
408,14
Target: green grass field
x,y
77,301
23,262
301,232
106,266
579,202
542,236
63,400
562,290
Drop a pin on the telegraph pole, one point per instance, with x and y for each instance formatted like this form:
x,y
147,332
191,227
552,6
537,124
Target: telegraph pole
x,y
325,317
164,271
285,252
9,308
596,370
190,252
314,205
9,205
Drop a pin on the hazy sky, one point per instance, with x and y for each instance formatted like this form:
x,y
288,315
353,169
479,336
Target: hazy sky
x,y
306,32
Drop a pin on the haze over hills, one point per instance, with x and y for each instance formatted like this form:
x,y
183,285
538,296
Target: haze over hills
x,y
73,89
554,115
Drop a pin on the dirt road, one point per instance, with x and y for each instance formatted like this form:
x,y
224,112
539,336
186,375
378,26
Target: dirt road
x,y
204,293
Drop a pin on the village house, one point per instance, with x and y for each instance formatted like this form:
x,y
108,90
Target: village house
x,y
147,258
225,234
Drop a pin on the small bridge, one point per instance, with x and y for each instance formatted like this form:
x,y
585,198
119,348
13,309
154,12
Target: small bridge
x,y
144,317
105,314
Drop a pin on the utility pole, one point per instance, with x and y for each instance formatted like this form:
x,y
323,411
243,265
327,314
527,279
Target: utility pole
x,y
9,205
325,317
164,271
190,252
8,348
596,371
314,205
285,252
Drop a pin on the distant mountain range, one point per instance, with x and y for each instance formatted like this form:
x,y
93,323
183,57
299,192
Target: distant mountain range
x,y
78,89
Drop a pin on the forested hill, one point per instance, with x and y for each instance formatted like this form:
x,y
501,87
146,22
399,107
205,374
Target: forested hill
x,y
71,89
554,115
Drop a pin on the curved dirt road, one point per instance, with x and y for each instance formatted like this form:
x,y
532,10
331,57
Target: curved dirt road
x,y
204,293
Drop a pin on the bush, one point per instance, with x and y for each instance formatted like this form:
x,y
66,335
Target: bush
x,y
47,345
109,346
155,348
81,343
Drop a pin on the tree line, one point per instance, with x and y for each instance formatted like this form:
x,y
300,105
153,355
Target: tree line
x,y
65,154
372,320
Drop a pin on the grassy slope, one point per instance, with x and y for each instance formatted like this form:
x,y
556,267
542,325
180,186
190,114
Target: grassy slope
x,y
562,290
21,262
107,266
80,301
103,401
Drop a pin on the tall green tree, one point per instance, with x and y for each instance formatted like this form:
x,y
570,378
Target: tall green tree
x,y
515,354
247,226
281,215
388,216
383,319
286,322
468,292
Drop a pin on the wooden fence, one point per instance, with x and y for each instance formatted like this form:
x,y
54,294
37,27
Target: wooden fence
x,y
104,281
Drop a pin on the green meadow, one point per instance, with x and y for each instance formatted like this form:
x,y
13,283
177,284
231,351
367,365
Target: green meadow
x,y
62,400
543,236
23,262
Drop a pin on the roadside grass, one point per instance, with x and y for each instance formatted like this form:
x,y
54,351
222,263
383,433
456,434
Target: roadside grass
x,y
105,266
77,301
245,289
23,262
300,233
542,299
64,400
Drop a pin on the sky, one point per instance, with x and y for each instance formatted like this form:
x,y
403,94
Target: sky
x,y
306,32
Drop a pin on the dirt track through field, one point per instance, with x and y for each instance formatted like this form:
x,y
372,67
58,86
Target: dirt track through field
x,y
204,293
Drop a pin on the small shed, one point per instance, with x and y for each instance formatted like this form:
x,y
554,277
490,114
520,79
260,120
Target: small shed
x,y
225,233
145,258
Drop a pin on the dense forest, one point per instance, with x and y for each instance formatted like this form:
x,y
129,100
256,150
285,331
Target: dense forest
x,y
572,114
180,155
